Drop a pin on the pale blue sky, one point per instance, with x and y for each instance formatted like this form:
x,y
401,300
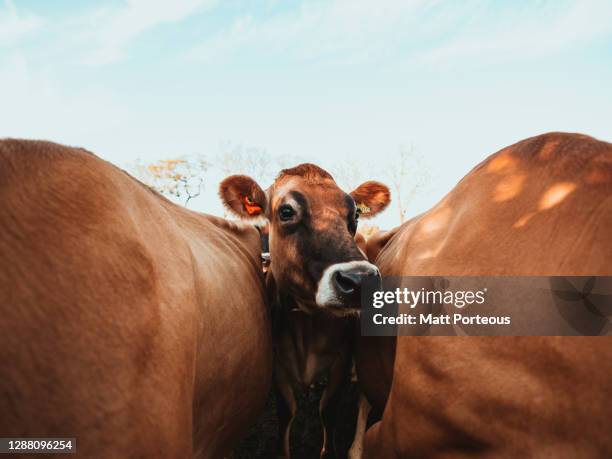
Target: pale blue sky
x,y
327,81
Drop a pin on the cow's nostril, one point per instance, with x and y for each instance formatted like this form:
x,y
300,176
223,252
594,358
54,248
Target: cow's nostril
x,y
347,282
343,284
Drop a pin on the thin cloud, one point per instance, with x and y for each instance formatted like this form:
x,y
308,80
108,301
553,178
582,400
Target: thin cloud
x,y
318,29
96,36
523,33
112,30
415,30
15,26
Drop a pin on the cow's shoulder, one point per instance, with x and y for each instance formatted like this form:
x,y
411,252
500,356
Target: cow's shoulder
x,y
377,242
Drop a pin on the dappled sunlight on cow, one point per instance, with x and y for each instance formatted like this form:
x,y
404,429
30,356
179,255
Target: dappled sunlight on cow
x,y
523,220
541,207
509,187
548,150
502,163
436,221
555,194
550,198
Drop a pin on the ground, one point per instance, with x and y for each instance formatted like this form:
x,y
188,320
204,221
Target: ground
x,y
306,434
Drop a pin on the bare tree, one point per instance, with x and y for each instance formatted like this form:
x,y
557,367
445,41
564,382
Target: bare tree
x,y
182,178
252,161
349,174
408,175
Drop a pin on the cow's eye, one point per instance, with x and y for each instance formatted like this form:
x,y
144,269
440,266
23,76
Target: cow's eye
x,y
286,212
353,222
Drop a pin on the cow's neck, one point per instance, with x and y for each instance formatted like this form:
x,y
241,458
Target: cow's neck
x,y
308,345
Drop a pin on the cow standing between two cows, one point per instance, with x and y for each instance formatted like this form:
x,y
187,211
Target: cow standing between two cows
x,y
141,328
314,280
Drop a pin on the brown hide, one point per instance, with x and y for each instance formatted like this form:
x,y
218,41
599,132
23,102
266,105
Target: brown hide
x,y
540,207
375,355
314,255
126,321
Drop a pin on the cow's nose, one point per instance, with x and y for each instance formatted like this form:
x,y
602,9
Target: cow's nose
x,y
342,284
348,282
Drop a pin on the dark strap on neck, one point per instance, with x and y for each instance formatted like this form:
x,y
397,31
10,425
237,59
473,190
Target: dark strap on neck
x,y
265,249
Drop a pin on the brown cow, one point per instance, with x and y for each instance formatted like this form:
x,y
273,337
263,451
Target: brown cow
x,y
540,207
126,321
315,277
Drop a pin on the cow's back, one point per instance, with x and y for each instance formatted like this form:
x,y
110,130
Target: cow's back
x,y
106,321
540,207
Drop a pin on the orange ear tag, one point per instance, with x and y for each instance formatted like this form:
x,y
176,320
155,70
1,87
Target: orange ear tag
x,y
363,208
251,207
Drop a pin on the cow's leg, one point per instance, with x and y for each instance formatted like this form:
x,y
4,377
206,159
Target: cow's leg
x,y
328,409
338,383
285,421
356,451
286,408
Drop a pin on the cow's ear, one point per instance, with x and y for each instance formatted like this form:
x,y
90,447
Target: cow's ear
x,y
243,196
371,198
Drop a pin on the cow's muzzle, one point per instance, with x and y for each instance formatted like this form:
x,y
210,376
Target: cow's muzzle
x,y
341,285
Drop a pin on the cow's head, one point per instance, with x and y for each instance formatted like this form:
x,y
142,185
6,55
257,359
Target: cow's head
x,y
312,224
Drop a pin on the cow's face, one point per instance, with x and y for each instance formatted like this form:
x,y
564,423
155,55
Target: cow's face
x,y
312,225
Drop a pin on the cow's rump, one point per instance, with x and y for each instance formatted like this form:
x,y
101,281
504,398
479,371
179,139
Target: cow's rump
x,y
116,323
540,207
